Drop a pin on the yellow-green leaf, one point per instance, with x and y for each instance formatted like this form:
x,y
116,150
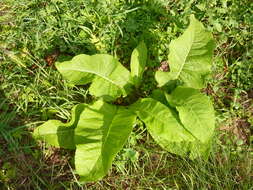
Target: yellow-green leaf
x,y
100,134
190,57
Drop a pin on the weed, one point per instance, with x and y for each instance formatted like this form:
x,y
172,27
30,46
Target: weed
x,y
32,30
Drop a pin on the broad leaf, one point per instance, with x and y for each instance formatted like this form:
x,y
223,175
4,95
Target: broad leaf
x,y
101,133
160,96
59,134
138,62
71,70
104,70
106,90
163,97
190,57
196,112
165,127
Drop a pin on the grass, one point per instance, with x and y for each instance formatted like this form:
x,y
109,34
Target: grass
x,y
33,34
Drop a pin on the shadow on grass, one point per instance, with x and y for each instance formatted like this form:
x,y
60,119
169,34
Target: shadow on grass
x,y
23,164
7,115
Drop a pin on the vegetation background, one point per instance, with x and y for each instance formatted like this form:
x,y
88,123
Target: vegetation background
x,y
36,33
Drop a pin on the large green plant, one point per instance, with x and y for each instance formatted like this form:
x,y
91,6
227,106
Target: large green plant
x,y
177,115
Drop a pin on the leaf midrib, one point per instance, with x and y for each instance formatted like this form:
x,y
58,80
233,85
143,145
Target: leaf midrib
x,y
165,124
106,137
196,118
103,144
184,62
92,72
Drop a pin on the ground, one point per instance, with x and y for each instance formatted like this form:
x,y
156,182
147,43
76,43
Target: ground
x,y
34,34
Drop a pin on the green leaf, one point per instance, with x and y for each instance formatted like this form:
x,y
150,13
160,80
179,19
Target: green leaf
x,y
160,96
163,78
190,57
71,70
165,127
138,62
59,134
196,112
101,133
104,70
106,90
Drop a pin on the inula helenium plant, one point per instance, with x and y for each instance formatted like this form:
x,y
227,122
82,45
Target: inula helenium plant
x,y
177,115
